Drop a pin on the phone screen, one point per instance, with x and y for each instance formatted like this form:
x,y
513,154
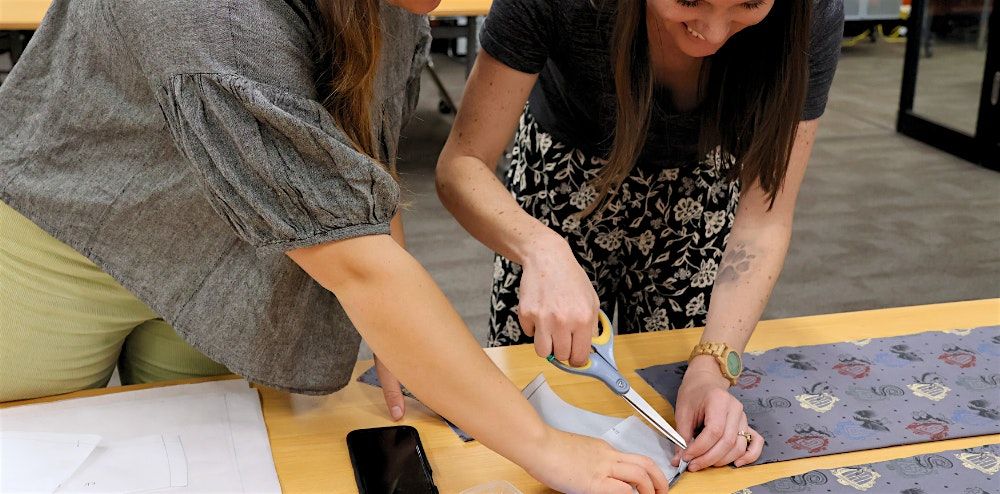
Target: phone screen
x,y
390,460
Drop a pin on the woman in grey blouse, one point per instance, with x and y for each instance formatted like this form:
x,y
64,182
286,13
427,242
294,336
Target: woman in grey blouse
x,y
217,169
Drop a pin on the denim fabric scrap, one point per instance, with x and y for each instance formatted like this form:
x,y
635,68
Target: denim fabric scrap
x,y
858,395
962,471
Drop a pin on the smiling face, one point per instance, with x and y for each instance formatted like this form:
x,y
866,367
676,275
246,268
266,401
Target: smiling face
x,y
700,27
417,6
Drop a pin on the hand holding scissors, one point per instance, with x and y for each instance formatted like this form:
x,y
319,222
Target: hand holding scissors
x,y
601,366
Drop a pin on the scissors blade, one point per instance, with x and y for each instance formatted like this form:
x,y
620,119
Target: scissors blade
x,y
659,423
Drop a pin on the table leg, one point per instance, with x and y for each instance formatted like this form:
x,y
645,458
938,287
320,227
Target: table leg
x,y
984,23
472,43
18,40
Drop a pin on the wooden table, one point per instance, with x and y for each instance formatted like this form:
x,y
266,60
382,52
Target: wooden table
x,y
307,433
19,18
471,11
22,15
16,15
462,8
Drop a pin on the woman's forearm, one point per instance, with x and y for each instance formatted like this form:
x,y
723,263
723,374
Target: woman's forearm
x,y
410,325
466,171
746,275
755,252
484,207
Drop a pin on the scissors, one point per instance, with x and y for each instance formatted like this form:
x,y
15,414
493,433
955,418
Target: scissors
x,y
601,366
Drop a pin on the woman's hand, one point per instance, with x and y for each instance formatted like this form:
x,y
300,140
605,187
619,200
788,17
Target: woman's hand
x,y
391,390
704,400
573,463
557,303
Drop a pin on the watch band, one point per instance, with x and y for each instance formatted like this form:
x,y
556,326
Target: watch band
x,y
721,352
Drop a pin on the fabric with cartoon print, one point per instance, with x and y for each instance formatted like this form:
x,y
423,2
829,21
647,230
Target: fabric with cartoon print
x,y
852,396
962,471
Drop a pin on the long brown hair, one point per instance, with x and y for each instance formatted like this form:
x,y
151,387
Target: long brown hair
x,y
752,93
351,44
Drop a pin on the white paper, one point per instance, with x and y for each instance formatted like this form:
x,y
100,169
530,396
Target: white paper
x,y
219,425
132,465
631,435
40,461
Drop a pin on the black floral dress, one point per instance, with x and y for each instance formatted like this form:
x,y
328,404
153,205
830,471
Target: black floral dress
x,y
654,248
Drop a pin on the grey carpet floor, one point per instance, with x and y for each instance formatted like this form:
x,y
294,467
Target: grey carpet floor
x,y
882,220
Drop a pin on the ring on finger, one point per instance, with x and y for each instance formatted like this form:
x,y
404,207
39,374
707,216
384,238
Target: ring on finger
x,y
748,436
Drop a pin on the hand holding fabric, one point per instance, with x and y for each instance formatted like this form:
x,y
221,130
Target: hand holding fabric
x,y
703,400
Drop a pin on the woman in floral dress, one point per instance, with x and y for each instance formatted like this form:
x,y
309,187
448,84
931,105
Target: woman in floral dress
x,y
658,152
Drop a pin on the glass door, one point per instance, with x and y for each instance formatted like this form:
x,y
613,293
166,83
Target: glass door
x,y
988,129
951,81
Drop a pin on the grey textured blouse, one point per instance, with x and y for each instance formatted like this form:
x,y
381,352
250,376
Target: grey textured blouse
x,y
179,144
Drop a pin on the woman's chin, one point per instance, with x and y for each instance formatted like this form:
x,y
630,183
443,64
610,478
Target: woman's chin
x,y
699,49
694,48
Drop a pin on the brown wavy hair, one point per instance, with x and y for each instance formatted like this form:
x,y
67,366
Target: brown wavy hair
x,y
752,93
351,44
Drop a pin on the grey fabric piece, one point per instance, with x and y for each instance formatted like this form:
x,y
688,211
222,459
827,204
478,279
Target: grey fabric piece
x,y
630,435
567,43
962,471
181,146
370,377
825,399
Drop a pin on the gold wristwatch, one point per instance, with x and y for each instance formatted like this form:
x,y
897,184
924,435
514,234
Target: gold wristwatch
x,y
730,362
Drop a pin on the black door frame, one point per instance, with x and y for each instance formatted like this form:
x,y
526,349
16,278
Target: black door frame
x,y
977,148
988,122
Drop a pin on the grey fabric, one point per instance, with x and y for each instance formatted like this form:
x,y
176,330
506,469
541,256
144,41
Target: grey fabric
x,y
824,399
567,43
181,146
370,377
962,471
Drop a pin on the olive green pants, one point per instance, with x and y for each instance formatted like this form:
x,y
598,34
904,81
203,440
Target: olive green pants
x,y
65,324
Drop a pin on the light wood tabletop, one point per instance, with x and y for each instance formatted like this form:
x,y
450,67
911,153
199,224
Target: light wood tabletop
x,y
22,14
462,8
307,433
28,14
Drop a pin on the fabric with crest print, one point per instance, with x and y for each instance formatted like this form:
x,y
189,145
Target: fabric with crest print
x,y
873,393
962,471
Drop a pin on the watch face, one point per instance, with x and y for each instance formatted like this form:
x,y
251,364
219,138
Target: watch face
x,y
734,364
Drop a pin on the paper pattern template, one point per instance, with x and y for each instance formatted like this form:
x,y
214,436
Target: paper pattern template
x,y
206,437
41,461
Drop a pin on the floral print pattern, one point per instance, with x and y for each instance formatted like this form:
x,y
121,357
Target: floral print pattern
x,y
653,247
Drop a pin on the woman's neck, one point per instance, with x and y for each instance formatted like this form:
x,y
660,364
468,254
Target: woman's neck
x,y
671,67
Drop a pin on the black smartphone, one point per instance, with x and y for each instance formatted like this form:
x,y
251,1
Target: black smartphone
x,y
390,460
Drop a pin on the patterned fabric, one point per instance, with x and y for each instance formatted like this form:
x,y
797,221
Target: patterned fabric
x,y
655,248
961,471
873,393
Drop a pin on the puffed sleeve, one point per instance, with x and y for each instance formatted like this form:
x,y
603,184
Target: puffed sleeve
x,y
274,164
